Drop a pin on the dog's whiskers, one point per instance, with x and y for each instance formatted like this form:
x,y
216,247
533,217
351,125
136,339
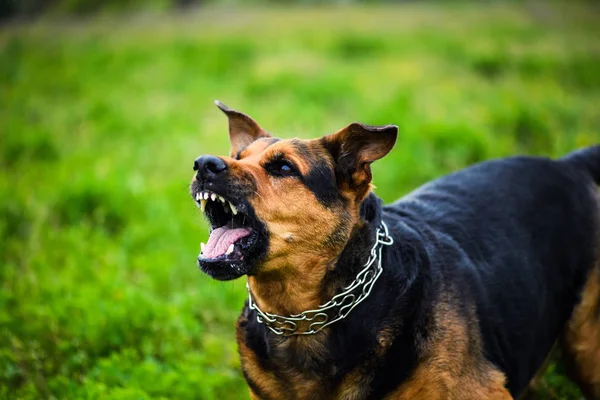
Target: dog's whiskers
x,y
258,194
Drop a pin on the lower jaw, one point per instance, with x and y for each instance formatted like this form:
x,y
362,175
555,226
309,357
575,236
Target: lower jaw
x,y
223,270
253,249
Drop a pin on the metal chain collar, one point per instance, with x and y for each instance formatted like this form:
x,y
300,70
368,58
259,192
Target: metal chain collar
x,y
344,301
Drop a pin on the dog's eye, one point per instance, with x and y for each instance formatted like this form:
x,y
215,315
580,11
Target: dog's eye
x,y
281,168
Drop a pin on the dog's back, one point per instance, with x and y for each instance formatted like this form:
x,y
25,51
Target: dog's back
x,y
518,238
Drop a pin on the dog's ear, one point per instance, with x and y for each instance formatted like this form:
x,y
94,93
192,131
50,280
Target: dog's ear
x,y
243,130
354,148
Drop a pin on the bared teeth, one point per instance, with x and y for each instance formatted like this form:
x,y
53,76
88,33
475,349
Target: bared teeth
x,y
202,247
203,197
229,249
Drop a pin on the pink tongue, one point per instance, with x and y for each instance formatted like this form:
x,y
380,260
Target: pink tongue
x,y
221,238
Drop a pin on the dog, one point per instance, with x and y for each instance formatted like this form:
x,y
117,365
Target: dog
x,y
458,290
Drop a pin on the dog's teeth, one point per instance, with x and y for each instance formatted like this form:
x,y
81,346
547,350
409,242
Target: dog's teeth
x,y
202,247
229,249
203,204
213,197
233,209
222,199
205,195
197,196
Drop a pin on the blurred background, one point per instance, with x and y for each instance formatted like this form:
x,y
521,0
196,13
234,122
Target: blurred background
x,y
104,105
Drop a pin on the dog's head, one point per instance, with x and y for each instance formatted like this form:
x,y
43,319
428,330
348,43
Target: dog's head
x,y
275,204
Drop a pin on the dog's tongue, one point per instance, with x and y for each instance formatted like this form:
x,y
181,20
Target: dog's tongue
x,y
221,238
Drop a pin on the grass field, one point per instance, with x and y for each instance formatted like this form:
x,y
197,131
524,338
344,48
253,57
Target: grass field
x,y
100,120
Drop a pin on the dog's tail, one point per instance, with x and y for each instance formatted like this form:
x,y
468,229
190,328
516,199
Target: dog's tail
x,y
587,159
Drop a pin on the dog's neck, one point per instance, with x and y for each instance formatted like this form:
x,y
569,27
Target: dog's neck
x,y
286,293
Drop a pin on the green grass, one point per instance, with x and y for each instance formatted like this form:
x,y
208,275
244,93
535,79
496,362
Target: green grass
x,y
100,121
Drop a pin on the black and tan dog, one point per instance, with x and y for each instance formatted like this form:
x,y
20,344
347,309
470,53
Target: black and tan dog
x,y
457,291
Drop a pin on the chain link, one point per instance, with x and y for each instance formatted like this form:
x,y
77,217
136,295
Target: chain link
x,y
344,302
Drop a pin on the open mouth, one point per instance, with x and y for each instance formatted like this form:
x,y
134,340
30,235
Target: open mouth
x,y
231,248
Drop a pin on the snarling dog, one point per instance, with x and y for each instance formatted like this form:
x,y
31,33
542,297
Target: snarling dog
x,y
459,290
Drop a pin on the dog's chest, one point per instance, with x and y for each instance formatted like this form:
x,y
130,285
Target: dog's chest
x,y
303,368
294,368
281,380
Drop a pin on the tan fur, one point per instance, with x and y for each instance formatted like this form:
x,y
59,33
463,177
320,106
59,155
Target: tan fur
x,y
253,396
305,237
582,338
264,380
305,240
301,251
353,386
300,247
255,147
287,382
453,366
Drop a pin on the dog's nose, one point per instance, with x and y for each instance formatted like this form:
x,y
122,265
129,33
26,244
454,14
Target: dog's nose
x,y
209,167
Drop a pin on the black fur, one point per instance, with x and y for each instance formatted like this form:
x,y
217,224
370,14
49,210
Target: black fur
x,y
321,181
513,238
586,160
